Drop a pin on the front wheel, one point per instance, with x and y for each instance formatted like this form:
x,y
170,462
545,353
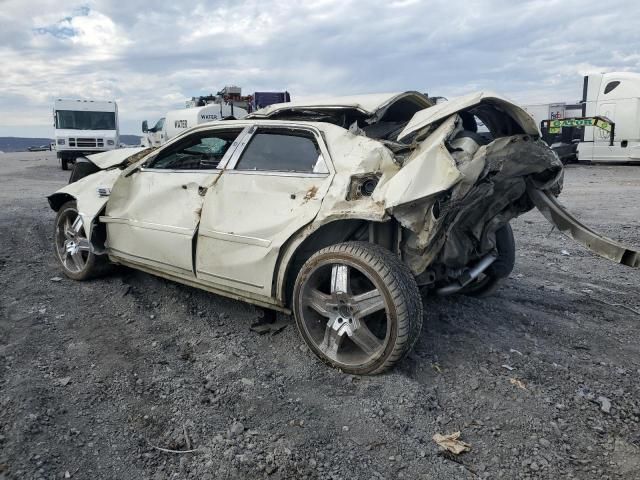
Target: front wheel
x,y
72,247
357,307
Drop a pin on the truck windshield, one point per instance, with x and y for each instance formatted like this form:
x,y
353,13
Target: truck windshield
x,y
85,120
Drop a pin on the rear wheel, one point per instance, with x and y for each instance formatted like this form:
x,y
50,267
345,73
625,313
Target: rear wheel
x,y
64,164
357,307
489,281
72,247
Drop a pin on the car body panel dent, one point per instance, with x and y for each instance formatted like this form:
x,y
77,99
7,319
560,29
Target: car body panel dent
x,y
85,191
113,158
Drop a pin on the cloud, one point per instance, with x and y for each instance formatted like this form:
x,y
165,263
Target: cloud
x,y
151,57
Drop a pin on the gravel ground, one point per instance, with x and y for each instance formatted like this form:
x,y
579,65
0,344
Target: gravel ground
x,y
541,378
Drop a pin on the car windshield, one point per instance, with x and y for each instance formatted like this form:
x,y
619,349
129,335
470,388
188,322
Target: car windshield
x,y
74,120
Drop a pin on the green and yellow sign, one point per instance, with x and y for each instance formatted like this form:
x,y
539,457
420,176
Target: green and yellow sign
x,y
555,126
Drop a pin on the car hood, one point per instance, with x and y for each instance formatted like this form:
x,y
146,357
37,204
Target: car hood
x,y
114,157
438,112
369,104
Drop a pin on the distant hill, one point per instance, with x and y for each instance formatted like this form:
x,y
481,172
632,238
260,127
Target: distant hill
x,y
21,144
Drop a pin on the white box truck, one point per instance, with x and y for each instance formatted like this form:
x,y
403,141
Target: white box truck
x,y
83,127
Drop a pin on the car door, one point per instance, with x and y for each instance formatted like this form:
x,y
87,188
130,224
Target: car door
x,y
153,213
273,187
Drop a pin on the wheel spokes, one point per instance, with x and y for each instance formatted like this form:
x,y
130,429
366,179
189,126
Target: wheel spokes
x,y
367,303
320,302
332,340
83,245
77,225
340,279
365,339
77,260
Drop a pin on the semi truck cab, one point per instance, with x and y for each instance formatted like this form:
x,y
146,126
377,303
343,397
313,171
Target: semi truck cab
x,y
615,96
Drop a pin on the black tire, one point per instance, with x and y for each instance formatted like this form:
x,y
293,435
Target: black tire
x,y
64,164
92,264
81,170
392,281
500,269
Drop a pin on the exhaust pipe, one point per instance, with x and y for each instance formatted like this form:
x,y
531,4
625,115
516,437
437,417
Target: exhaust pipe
x,y
468,277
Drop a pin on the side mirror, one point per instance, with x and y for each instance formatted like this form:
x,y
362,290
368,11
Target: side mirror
x,y
145,127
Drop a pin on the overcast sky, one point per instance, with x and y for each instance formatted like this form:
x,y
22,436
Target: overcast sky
x,y
152,55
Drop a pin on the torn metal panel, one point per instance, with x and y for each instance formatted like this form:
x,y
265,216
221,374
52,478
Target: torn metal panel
x,y
427,117
116,157
430,169
87,193
460,224
576,230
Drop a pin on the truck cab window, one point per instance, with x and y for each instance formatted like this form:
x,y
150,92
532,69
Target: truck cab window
x,y
611,86
290,151
199,151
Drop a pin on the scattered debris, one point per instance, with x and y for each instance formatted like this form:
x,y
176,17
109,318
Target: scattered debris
x,y
565,253
187,441
262,328
64,381
168,450
518,383
605,404
513,350
237,428
56,279
508,367
451,443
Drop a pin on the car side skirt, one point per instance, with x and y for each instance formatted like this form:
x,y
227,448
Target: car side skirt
x,y
244,296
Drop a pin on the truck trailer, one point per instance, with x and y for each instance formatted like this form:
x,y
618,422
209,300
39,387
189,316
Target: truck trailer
x,y
612,96
84,127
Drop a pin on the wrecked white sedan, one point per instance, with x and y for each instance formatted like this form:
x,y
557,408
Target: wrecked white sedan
x,y
339,212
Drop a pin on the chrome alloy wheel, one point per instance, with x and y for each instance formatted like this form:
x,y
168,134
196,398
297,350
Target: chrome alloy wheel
x,y
345,314
72,245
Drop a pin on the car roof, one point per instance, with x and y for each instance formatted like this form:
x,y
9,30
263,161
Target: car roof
x,y
368,104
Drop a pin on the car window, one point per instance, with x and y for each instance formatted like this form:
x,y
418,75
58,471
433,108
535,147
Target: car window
x,y
200,151
290,151
610,86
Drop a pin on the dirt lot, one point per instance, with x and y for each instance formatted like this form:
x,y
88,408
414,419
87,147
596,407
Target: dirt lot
x,y
541,378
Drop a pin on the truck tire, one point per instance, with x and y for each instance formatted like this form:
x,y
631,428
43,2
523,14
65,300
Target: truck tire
x,y
500,269
81,170
64,164
357,307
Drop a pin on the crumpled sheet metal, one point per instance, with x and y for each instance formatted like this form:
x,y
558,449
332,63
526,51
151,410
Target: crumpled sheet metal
x,y
429,170
576,230
460,224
